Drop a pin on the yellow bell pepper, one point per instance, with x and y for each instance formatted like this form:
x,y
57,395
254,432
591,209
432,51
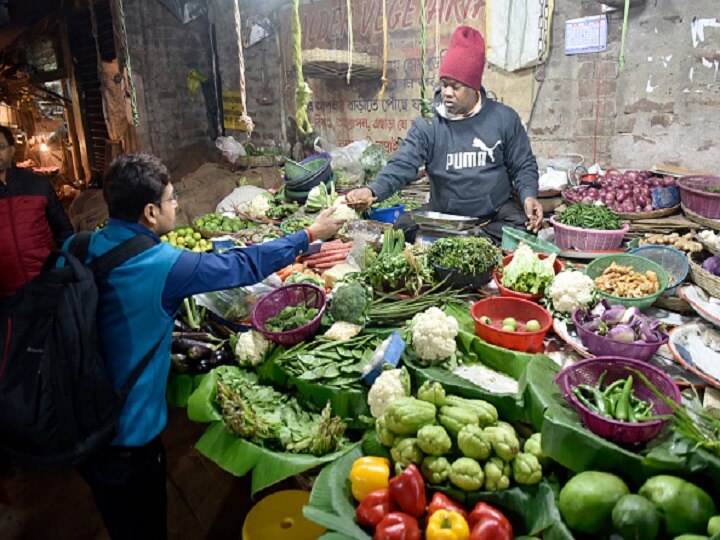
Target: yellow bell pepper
x,y
369,473
447,525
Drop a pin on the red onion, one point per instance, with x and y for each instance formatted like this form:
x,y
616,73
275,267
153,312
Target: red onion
x,y
648,208
632,176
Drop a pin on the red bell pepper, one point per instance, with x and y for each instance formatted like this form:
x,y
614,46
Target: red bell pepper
x,y
375,506
488,523
407,489
397,526
440,501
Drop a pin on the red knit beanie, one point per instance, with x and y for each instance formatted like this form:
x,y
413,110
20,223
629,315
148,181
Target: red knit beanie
x,y
464,60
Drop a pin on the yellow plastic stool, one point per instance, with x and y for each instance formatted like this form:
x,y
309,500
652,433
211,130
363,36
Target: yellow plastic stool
x,y
279,516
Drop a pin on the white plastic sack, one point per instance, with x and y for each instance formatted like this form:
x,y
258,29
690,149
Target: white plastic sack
x,y
345,157
238,196
230,148
512,33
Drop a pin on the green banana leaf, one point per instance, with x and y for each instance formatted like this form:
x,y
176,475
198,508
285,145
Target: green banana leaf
x,y
180,387
511,363
201,403
461,312
568,442
238,456
332,506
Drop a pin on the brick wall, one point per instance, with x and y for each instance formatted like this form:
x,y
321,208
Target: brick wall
x,y
663,107
162,51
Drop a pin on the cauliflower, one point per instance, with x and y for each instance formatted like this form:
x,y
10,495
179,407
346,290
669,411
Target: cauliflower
x,y
389,386
257,207
570,290
250,348
342,331
344,212
433,334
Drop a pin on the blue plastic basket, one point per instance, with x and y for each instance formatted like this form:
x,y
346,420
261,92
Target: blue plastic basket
x,y
665,197
387,215
673,261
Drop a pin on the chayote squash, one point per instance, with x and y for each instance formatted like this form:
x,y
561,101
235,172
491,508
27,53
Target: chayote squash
x,y
487,413
455,418
405,416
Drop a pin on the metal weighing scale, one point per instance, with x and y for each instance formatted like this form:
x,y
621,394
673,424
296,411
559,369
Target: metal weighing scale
x,y
435,225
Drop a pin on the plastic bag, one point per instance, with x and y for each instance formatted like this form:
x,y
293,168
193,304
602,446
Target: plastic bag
x,y
230,148
364,236
236,305
373,159
236,197
345,157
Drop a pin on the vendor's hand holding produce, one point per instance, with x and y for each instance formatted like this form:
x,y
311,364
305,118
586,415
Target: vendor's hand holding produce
x,y
528,273
624,281
360,199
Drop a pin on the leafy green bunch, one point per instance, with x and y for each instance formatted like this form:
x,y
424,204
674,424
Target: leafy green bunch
x,y
469,256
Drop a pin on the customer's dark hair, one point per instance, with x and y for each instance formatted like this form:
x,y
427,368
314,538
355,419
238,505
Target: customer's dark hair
x,y
132,182
8,135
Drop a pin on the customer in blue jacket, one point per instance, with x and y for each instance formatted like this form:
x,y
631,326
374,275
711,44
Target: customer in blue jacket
x,y
137,307
475,151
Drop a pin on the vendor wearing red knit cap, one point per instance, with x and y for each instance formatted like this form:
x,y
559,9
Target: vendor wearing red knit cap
x,y
475,151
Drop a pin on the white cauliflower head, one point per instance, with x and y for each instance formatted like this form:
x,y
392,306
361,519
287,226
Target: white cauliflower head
x,y
570,290
344,212
258,207
250,348
433,334
342,331
389,386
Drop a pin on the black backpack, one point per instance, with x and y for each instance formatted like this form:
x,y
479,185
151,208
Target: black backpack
x,y
57,402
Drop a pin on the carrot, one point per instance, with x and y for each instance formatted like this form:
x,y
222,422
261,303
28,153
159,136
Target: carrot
x,y
331,260
335,247
326,256
327,266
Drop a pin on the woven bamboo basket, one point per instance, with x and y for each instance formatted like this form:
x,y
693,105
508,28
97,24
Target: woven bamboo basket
x,y
661,212
673,303
702,220
712,248
704,279
333,63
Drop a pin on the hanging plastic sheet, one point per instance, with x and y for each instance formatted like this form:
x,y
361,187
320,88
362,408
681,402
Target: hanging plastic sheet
x,y
514,32
185,11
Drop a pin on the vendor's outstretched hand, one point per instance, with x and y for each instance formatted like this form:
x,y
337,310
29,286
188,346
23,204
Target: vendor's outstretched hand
x,y
325,226
359,199
534,212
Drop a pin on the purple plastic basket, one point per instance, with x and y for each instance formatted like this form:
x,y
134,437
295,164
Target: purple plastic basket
x,y
567,237
617,367
604,346
694,196
289,295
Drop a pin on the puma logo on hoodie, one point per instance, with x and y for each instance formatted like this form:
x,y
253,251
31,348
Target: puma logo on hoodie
x,y
465,160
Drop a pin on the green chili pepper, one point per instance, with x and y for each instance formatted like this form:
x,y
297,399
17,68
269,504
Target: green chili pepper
x,y
623,404
614,386
601,380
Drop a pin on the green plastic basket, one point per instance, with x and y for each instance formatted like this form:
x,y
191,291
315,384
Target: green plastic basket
x,y
512,237
639,264
295,170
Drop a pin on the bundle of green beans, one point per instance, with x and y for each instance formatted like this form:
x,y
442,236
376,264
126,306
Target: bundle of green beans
x,y
391,309
590,216
615,401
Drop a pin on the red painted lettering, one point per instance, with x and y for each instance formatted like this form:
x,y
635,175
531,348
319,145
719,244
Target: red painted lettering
x,y
410,18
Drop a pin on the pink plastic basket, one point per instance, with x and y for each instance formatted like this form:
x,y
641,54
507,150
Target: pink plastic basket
x,y
604,346
567,237
589,371
694,196
289,295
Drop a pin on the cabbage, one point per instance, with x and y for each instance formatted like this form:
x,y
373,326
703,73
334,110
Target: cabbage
x,y
527,273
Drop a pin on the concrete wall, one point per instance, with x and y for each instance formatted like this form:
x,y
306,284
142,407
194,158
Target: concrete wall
x,y
162,52
664,105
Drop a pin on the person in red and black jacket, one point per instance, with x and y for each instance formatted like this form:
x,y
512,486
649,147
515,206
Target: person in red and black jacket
x,y
32,220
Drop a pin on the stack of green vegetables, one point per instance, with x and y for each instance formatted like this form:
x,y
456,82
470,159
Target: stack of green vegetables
x,y
590,216
458,440
275,420
290,318
469,256
396,200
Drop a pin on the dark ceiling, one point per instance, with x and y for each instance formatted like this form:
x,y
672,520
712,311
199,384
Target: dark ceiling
x,y
16,16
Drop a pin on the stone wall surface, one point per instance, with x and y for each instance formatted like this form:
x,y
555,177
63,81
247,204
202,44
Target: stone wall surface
x,y
663,107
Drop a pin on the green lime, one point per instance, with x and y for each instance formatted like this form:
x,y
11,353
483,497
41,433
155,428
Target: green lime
x,y
586,502
532,326
635,518
510,321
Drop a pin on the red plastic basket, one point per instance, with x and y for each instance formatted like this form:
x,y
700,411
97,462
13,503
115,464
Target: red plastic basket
x,y
504,291
567,237
604,346
617,367
501,307
694,196
289,295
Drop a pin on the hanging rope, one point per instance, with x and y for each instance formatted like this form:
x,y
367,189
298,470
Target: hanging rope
x,y
438,6
245,121
131,84
424,102
621,60
350,38
384,78
302,92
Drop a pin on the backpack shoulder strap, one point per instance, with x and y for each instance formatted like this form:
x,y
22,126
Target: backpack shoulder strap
x,y
79,245
135,375
121,253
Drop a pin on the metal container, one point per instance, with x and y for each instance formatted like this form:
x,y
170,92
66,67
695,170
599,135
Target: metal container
x,y
439,220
